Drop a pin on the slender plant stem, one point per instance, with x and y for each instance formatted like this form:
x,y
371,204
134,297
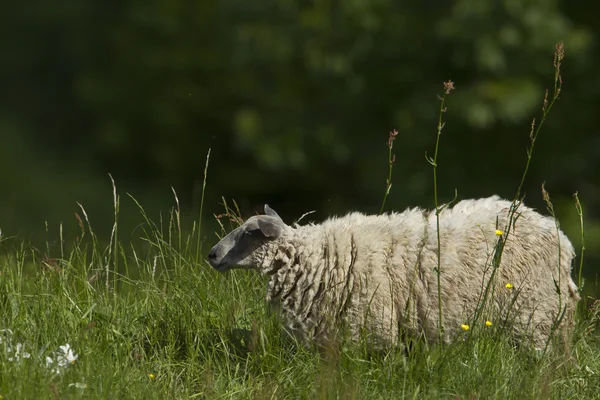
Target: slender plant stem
x,y
114,239
199,242
391,160
448,86
437,220
580,213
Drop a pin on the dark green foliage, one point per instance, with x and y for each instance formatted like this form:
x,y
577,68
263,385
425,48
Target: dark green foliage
x,y
296,100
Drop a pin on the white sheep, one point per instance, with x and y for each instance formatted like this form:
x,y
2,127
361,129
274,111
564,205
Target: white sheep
x,y
377,274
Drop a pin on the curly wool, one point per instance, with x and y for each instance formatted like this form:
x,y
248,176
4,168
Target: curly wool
x,y
377,274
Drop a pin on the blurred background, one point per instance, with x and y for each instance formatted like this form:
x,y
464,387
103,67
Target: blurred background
x,y
295,99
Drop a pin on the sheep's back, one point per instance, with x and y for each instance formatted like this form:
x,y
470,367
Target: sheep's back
x,y
379,272
530,262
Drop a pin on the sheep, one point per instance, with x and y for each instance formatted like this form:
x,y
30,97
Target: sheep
x,y
376,274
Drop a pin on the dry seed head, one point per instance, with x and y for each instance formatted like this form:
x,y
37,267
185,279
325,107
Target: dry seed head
x,y
392,137
545,194
559,85
532,129
448,87
559,54
576,197
546,198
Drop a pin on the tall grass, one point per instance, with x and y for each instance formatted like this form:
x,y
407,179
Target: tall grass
x,y
579,209
150,319
181,330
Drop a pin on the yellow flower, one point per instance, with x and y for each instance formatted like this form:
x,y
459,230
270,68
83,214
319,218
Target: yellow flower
x,y
488,323
151,376
499,232
465,327
509,286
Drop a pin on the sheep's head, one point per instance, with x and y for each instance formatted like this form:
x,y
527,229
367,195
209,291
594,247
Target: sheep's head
x,y
239,246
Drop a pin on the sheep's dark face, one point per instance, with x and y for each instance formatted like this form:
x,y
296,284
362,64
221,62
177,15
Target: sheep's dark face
x,y
238,247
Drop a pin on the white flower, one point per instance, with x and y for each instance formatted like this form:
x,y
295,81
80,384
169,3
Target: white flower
x,y
17,354
49,365
68,354
63,358
21,354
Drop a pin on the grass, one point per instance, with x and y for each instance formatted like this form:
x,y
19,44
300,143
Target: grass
x,y
181,330
153,320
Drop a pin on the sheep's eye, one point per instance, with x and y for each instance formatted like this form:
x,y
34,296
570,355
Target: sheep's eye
x,y
252,232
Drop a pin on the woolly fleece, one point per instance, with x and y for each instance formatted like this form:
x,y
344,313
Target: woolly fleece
x,y
377,274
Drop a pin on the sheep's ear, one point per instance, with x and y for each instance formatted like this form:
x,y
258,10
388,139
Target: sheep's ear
x,y
270,227
269,211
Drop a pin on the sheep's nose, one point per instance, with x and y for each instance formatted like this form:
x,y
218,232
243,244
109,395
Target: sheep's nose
x,y
212,255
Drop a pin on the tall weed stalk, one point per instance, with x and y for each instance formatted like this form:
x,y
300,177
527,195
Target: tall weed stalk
x,y
513,214
391,160
448,88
